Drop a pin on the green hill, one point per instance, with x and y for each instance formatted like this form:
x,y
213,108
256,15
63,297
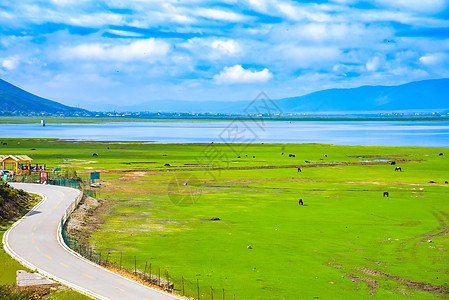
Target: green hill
x,y
15,101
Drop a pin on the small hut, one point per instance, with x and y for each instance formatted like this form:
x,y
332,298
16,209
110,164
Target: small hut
x,y
19,163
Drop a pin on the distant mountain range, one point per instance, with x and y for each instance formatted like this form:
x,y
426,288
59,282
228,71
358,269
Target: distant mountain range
x,y
15,101
418,95
413,96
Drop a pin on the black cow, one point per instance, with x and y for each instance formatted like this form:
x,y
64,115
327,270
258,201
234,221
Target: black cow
x,y
300,201
95,154
386,194
441,154
299,169
398,169
393,163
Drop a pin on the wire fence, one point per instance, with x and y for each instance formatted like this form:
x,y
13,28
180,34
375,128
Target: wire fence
x,y
141,270
147,272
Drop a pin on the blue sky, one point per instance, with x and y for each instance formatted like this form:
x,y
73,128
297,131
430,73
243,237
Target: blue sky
x,y
103,54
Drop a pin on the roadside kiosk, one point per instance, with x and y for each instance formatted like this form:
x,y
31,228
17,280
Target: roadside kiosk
x,y
20,163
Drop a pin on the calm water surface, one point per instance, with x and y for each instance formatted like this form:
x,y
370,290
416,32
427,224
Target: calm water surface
x,y
342,133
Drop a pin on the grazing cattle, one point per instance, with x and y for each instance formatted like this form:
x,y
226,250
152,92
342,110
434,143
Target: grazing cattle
x,y
300,201
246,155
282,153
307,161
254,156
386,194
291,155
431,181
441,154
325,155
445,182
238,156
5,144
299,169
393,163
398,169
95,154
167,165
108,148
33,149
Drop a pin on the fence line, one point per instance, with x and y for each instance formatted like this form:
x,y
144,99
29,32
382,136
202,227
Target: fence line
x,y
116,261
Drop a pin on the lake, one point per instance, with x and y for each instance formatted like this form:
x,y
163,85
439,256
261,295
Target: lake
x,y
375,133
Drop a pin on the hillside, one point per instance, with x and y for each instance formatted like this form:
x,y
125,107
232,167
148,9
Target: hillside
x,y
15,101
13,202
413,96
419,95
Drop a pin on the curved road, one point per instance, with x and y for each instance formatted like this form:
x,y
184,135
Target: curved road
x,y
35,242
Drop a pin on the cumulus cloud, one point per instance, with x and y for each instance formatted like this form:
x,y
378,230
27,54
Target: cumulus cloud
x,y
237,74
220,15
433,59
148,49
314,57
228,47
10,63
336,43
373,64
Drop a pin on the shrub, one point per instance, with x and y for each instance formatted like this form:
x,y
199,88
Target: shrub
x,y
8,292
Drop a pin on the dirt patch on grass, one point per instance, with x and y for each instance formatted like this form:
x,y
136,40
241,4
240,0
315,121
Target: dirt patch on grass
x,y
87,218
443,229
371,283
416,285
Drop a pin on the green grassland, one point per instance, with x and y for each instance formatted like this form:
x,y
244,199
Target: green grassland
x,y
347,241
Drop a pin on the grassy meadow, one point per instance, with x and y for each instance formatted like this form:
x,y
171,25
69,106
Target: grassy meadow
x,y
347,241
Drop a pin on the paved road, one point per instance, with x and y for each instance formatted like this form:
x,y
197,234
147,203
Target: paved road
x,y
34,240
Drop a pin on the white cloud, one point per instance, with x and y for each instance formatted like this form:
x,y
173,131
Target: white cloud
x,y
228,47
433,59
220,15
98,19
294,56
373,64
148,49
237,74
10,63
67,2
213,48
125,33
298,13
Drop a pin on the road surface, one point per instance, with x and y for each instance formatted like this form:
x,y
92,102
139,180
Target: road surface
x,y
35,241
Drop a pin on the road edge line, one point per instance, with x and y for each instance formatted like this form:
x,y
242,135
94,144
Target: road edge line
x,y
29,265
